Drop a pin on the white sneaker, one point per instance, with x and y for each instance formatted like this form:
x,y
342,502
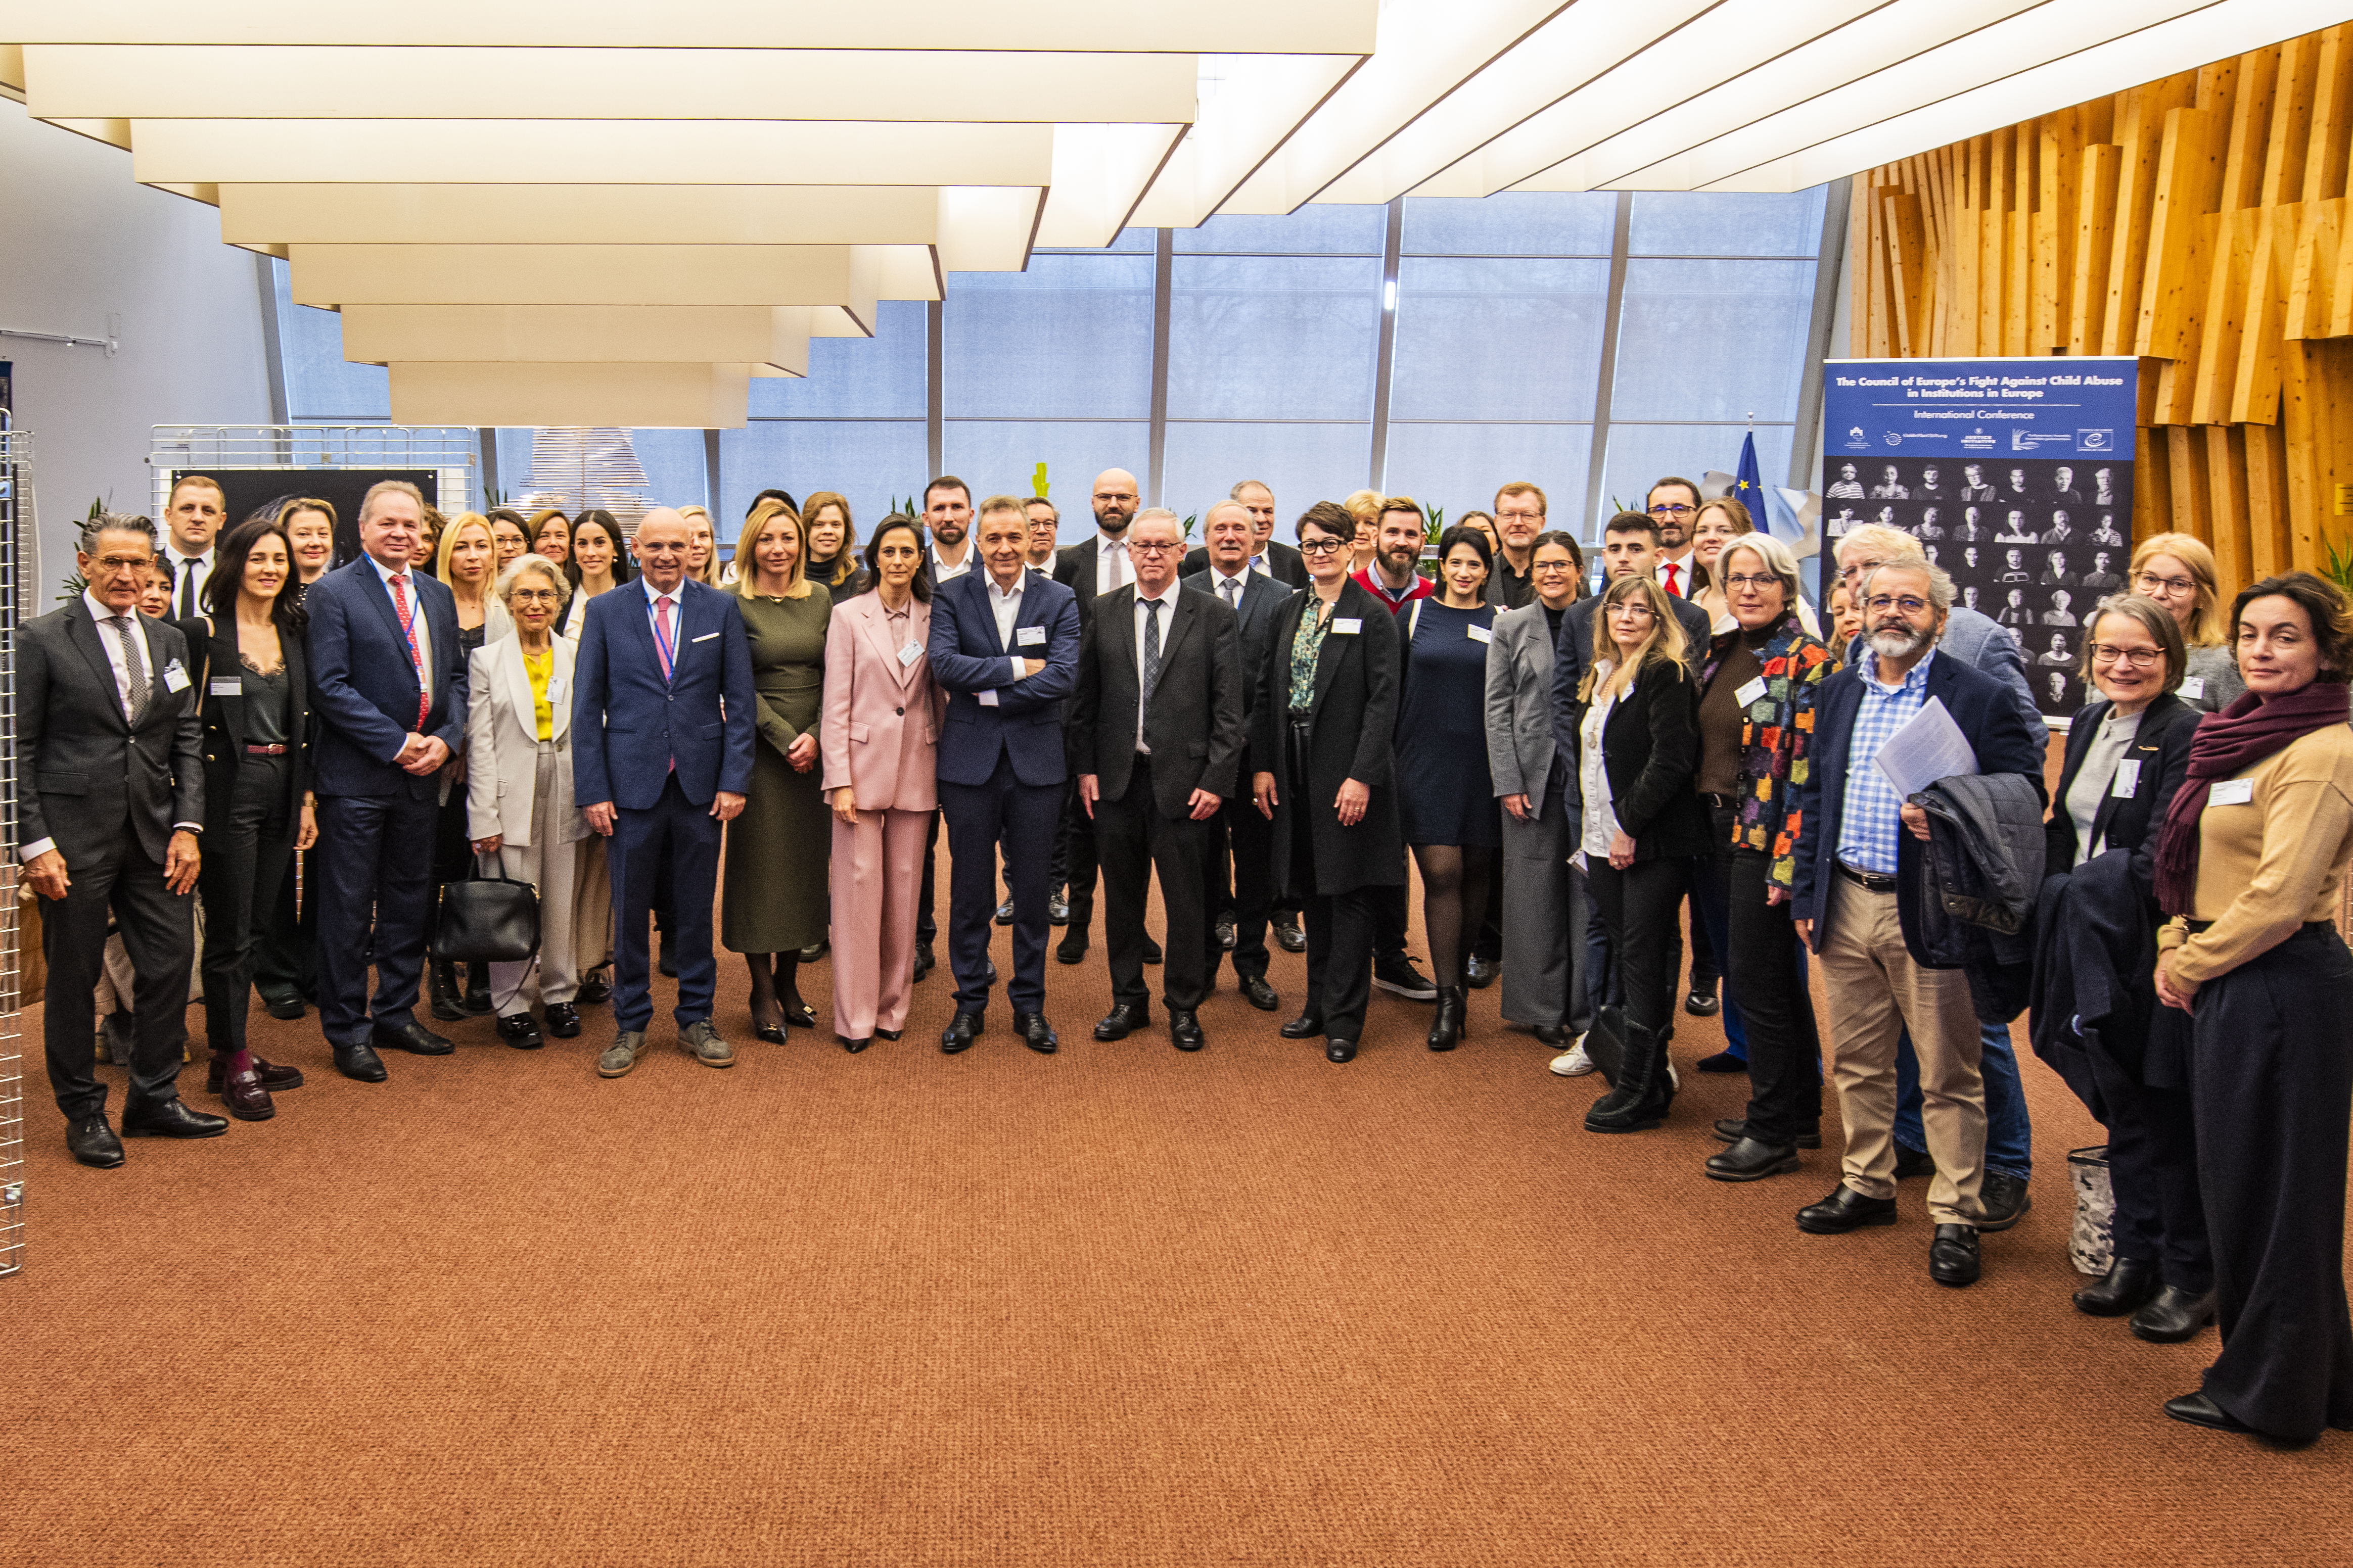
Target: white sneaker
x,y
1573,1062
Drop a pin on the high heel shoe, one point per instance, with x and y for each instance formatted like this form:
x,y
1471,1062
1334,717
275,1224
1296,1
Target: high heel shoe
x,y
1446,1028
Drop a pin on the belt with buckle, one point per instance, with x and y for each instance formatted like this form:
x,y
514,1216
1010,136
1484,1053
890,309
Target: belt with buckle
x,y
265,750
1868,881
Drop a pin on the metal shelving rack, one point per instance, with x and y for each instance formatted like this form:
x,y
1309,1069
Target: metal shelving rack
x,y
16,559
448,449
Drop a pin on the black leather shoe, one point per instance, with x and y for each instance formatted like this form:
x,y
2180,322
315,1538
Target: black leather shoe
x,y
1749,1160
2172,1316
1305,1027
887,1034
282,1004
989,970
93,1142
411,1036
1036,1033
1952,1256
359,1062
1287,934
800,1015
1226,933
925,963
2128,1282
2001,1199
443,992
170,1119
1152,954
1337,1049
962,1030
1551,1035
562,1020
854,1046
595,986
1122,1021
1911,1163
521,1030
1723,1061
771,1034
2199,1411
815,951
1260,994
1058,911
476,998
1071,949
1185,1029
1844,1210
1703,1003
1481,972
1732,1129
275,1079
1004,913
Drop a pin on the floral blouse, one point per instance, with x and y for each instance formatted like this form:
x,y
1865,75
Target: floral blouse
x,y
1777,734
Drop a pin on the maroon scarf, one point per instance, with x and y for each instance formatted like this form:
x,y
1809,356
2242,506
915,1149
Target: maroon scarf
x,y
2226,743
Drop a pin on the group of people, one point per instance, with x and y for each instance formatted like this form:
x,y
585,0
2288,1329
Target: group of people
x,y
1271,729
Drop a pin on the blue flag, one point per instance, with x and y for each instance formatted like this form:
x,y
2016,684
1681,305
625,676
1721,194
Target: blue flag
x,y
1749,487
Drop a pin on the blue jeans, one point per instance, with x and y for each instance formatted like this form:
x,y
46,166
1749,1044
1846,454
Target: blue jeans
x,y
2010,1137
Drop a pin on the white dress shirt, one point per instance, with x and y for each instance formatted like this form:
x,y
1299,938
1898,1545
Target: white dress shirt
x,y
180,565
1167,602
416,618
1006,606
1231,586
1682,565
113,643
1593,772
941,571
677,614
1113,570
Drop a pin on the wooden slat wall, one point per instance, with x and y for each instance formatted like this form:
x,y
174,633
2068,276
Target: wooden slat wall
x,y
2199,222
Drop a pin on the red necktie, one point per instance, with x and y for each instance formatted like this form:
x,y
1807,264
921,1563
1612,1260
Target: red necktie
x,y
408,630
1672,586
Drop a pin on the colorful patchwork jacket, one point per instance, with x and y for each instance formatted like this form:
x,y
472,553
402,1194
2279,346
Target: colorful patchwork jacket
x,y
1777,733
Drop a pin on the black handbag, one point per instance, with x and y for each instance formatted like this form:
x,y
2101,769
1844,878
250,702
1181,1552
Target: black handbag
x,y
487,919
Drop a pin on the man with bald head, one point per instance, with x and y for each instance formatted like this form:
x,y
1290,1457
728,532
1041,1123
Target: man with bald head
x,y
661,756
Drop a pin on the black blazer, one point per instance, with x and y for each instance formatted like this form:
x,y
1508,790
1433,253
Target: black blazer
x,y
1074,568
1263,601
1194,728
224,716
1649,749
1285,563
81,767
1574,653
1353,713
2130,823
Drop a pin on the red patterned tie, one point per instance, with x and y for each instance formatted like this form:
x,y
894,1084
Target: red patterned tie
x,y
1672,586
416,657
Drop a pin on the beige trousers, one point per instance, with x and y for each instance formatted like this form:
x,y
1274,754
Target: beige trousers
x,y
1876,991
592,906
550,864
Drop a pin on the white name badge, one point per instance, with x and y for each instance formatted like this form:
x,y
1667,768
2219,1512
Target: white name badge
x,y
2128,783
230,686
174,677
985,699
911,653
2231,792
1028,636
2193,689
704,637
1480,634
555,689
1750,693
1346,625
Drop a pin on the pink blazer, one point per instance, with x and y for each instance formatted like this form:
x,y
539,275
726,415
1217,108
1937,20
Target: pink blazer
x,y
879,731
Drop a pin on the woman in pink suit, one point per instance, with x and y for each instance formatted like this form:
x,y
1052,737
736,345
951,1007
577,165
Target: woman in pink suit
x,y
878,738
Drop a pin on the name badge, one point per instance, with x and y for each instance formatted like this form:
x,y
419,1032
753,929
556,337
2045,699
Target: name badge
x,y
1480,634
224,686
1750,693
1346,625
1028,636
2192,687
174,677
2128,783
985,699
911,653
704,637
555,689
2231,792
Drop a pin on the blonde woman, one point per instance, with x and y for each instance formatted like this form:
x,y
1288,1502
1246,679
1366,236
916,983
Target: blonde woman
x,y
1638,754
2177,572
465,561
776,900
702,546
1718,524
1363,510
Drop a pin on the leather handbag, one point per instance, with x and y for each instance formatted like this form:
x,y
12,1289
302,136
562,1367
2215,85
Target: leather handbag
x,y
487,919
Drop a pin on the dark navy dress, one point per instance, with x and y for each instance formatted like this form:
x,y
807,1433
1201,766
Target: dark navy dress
x,y
1445,794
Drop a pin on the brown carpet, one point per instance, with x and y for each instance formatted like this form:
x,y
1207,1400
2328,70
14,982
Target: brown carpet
x,y
1123,1306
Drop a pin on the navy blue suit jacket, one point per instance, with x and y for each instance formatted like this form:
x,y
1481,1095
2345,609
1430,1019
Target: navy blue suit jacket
x,y
1988,713
967,658
364,682
629,726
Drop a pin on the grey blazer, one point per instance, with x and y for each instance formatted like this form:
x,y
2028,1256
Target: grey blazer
x,y
81,767
1520,748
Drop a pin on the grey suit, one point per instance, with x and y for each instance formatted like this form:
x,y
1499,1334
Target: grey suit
x,y
1538,883
109,792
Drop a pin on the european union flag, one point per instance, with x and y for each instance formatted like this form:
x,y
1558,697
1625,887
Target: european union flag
x,y
1749,487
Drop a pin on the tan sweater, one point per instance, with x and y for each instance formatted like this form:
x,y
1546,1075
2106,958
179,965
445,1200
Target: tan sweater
x,y
2267,866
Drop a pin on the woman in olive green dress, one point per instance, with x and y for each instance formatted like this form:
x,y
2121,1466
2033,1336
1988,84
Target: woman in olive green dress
x,y
778,900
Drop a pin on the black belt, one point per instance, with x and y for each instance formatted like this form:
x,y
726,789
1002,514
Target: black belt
x,y
2196,926
1868,881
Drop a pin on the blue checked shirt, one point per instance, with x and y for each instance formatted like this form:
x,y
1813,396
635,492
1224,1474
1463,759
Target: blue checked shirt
x,y
1872,817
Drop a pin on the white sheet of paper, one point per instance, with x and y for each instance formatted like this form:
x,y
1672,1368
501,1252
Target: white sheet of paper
x,y
1750,692
985,699
2193,689
2231,792
1929,748
2128,783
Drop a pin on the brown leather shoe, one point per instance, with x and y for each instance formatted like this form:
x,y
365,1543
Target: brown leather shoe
x,y
247,1099
275,1079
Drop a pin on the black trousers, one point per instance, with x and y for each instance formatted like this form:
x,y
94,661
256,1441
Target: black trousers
x,y
1130,839
676,832
1341,926
1767,969
2271,1078
286,963
978,816
2152,1165
375,893
247,848
1074,847
926,926
159,932
1241,840
1638,906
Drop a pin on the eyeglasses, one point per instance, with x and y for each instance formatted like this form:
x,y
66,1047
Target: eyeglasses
x,y
1910,604
1758,581
1632,607
1672,509
2136,657
1322,546
1140,548
2159,588
534,595
1114,495
1555,566
115,565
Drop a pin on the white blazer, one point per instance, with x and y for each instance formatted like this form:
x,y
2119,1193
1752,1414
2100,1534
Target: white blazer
x,y
502,746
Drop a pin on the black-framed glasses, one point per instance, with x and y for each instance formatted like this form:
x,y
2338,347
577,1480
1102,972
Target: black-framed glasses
x,y
2153,585
1322,546
1672,509
2133,657
1760,580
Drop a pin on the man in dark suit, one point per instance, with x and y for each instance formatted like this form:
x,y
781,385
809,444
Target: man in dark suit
x,y
388,691
661,754
1268,555
1005,647
1156,735
1239,835
110,807
1094,567
1856,904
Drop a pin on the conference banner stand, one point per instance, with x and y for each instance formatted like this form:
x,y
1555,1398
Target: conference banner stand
x,y
259,466
2015,475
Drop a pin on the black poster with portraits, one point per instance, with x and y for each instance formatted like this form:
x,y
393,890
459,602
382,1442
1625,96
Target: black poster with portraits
x,y
2015,475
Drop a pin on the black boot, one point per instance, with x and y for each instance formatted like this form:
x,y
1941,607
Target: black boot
x,y
448,1005
1446,1028
1640,1100
477,1000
